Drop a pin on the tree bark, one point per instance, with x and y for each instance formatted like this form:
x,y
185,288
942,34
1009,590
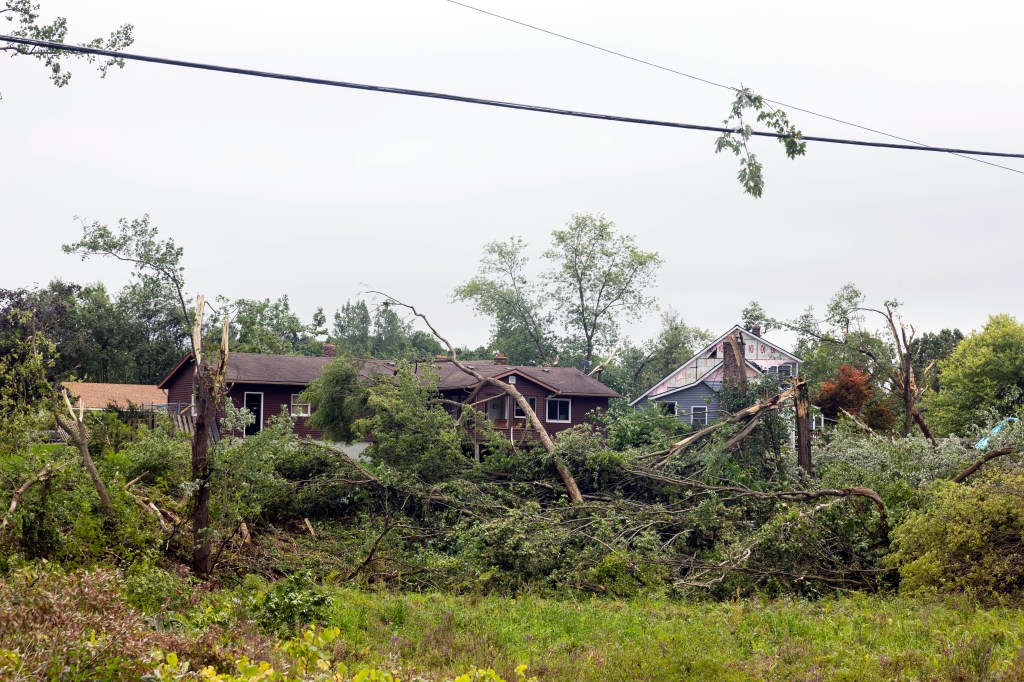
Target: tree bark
x,y
78,434
803,429
44,475
986,458
208,392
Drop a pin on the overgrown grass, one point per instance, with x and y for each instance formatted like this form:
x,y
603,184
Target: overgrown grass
x,y
855,638
55,621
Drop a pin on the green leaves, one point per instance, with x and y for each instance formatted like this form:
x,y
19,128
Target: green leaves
x,y
751,174
26,14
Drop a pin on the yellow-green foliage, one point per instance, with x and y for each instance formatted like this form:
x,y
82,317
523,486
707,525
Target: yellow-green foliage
x,y
968,538
982,379
308,659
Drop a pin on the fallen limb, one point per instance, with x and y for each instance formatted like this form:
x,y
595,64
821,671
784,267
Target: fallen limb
x,y
757,411
985,459
508,389
785,495
44,474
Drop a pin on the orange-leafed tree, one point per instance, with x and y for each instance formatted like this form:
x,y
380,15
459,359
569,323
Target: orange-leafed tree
x,y
848,390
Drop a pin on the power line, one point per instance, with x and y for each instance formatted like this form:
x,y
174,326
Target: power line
x,y
710,82
476,100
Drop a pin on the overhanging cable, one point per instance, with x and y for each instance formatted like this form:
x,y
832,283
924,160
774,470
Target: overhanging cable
x,y
476,100
707,81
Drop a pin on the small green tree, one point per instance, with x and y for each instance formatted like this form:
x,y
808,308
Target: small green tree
x,y
982,379
599,279
338,399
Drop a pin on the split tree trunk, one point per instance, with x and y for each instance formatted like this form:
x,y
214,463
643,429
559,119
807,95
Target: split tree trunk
x,y
208,391
78,434
803,430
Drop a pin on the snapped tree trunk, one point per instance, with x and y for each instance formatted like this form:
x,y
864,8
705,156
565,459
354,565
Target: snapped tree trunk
x,y
78,434
803,430
208,392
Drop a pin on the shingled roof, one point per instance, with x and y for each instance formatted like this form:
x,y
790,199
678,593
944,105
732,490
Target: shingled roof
x,y
561,380
260,368
257,368
100,396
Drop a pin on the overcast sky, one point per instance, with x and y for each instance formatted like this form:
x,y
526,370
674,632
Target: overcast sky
x,y
281,188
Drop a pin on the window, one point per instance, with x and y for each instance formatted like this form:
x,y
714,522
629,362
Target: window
x,y
559,410
299,409
512,379
699,415
667,407
786,370
517,412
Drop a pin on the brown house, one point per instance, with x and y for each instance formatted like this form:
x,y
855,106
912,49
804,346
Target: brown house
x,y
267,384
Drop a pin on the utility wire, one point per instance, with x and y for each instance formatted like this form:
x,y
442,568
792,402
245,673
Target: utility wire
x,y
710,82
476,100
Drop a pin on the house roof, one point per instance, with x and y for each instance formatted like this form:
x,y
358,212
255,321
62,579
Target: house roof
x,y
559,380
257,368
260,368
708,348
99,396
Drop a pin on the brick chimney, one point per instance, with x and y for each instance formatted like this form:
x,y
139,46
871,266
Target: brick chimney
x,y
500,359
329,351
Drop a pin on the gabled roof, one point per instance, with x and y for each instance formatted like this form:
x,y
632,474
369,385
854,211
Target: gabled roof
x,y
258,368
707,349
99,396
567,381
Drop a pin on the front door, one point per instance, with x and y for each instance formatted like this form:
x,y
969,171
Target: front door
x,y
254,403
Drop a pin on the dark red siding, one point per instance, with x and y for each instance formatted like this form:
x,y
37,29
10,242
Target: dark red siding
x,y
276,397
581,407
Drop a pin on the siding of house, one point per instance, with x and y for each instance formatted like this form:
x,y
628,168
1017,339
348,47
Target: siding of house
x,y
517,429
276,397
700,395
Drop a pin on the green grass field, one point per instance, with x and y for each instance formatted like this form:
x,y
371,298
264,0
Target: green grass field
x,y
852,638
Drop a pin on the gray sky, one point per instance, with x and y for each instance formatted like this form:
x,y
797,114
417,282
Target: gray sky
x,y
281,188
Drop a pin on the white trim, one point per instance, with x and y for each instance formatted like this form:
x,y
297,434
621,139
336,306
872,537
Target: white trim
x,y
497,400
693,409
259,419
292,405
707,348
547,412
516,413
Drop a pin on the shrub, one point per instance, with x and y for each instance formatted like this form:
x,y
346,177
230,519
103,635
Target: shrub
x,y
293,602
968,539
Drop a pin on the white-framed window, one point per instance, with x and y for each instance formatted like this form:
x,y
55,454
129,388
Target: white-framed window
x,y
253,401
699,415
559,410
668,407
512,379
517,412
497,408
299,409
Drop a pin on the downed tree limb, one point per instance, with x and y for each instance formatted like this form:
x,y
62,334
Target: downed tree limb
x,y
985,459
563,471
785,495
44,474
757,410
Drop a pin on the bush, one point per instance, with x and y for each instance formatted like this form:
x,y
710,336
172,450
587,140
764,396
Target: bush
x,y
968,539
293,602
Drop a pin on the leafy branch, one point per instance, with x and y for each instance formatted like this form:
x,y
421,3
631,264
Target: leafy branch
x,y
751,174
